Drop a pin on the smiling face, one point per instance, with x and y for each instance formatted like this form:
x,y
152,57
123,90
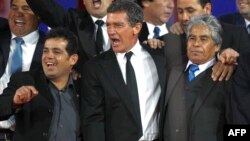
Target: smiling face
x,y
56,62
97,8
200,45
158,12
244,8
122,35
22,20
186,9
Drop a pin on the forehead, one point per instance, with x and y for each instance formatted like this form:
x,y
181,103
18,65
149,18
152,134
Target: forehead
x,y
117,16
200,30
187,3
56,43
19,2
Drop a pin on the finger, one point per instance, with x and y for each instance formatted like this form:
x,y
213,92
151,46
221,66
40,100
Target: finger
x,y
216,71
145,42
223,74
230,72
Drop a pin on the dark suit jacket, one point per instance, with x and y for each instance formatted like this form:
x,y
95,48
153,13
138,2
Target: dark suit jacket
x,y
33,119
208,97
5,40
108,108
241,91
78,21
3,24
234,19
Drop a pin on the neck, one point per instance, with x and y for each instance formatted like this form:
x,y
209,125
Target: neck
x,y
60,83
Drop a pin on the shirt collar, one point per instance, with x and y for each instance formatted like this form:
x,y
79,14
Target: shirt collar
x,y
136,49
29,38
163,28
202,67
247,22
103,19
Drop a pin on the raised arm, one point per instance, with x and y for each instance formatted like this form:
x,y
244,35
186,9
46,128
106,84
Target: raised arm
x,y
49,11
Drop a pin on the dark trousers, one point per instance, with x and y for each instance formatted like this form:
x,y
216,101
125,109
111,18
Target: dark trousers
x,y
6,135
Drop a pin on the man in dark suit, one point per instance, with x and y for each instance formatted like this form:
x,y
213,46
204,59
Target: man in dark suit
x,y
81,22
45,103
23,25
233,37
191,86
241,91
156,14
120,101
241,18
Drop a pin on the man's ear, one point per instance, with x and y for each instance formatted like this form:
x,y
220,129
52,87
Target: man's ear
x,y
145,3
137,28
73,59
208,8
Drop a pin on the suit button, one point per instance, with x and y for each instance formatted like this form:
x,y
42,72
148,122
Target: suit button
x,y
50,111
177,130
45,134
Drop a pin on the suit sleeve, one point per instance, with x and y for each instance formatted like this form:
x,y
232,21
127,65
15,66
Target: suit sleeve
x,y
6,99
49,11
241,92
92,105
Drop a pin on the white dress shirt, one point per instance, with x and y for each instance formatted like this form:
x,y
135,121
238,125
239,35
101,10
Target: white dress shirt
x,y
28,49
106,45
202,67
148,89
163,30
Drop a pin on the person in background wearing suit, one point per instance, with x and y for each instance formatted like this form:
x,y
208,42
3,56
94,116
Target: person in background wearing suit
x,y
156,14
122,87
21,45
241,18
84,23
241,91
191,86
45,102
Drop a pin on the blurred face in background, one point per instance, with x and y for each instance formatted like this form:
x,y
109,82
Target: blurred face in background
x,y
22,20
186,9
157,12
244,8
97,8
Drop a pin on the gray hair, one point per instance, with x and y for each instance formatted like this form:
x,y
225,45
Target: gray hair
x,y
133,10
209,21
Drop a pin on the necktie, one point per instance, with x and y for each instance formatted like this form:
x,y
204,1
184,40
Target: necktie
x,y
192,68
99,37
131,83
17,57
156,32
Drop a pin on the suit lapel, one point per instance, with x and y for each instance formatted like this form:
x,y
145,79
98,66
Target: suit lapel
x,y
5,39
144,32
112,70
42,86
175,76
206,84
37,56
86,35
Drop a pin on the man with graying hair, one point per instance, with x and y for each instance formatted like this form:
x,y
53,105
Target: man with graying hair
x,y
126,108
191,86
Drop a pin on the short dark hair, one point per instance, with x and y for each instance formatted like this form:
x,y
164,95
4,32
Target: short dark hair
x,y
204,2
67,35
133,10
